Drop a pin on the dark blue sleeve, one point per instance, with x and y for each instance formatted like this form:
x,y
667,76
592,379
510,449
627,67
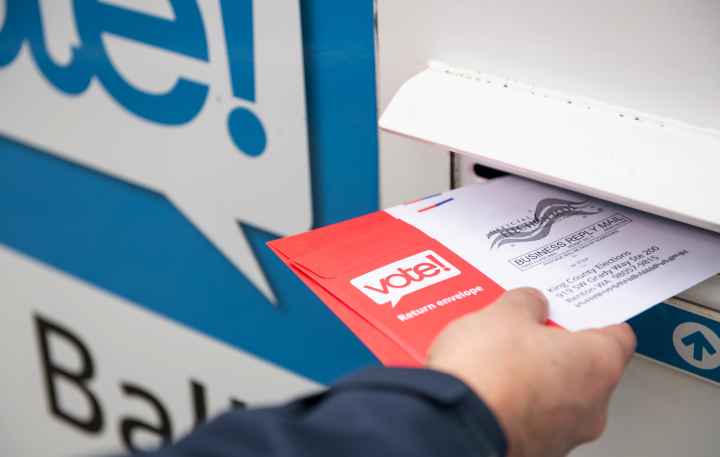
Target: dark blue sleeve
x,y
377,412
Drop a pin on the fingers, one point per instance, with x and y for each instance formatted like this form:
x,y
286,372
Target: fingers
x,y
608,350
624,336
524,302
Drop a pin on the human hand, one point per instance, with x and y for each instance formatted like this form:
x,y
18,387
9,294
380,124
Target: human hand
x,y
549,388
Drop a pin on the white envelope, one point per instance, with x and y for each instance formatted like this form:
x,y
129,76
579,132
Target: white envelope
x,y
598,263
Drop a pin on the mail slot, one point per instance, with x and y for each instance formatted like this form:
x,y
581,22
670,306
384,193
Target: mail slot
x,y
612,99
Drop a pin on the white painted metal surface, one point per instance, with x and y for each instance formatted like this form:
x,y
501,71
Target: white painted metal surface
x,y
706,293
408,170
609,152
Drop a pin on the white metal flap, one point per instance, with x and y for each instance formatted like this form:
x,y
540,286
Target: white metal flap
x,y
636,159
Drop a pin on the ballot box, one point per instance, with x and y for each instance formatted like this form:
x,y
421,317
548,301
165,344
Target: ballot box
x,y
150,150
616,100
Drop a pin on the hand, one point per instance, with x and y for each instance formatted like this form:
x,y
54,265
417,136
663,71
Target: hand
x,y
549,388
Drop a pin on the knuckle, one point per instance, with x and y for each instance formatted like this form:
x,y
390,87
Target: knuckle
x,y
615,372
597,428
530,301
531,295
606,360
613,364
632,338
619,358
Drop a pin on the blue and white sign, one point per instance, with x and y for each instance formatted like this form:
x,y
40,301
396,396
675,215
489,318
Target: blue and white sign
x,y
201,102
148,151
682,335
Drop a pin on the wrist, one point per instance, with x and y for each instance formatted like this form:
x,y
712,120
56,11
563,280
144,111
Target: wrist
x,y
503,403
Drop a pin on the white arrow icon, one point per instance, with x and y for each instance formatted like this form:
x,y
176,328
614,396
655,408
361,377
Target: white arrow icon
x,y
697,345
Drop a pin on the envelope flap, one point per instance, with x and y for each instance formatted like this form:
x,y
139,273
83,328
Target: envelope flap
x,y
360,247
300,244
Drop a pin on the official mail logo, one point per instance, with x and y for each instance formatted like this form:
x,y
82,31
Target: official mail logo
x,y
547,212
390,283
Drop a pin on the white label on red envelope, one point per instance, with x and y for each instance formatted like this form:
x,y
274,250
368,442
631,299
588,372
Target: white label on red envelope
x,y
390,283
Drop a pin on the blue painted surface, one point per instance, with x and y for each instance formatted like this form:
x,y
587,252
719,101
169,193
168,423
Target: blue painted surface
x,y
134,243
655,329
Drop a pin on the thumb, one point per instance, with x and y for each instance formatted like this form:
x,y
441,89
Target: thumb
x,y
625,338
525,303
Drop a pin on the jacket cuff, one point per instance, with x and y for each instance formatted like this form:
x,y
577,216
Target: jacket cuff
x,y
441,389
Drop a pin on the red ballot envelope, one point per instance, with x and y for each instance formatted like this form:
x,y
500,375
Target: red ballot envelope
x,y
394,286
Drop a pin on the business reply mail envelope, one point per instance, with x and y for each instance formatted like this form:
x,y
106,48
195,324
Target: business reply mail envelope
x,y
397,277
